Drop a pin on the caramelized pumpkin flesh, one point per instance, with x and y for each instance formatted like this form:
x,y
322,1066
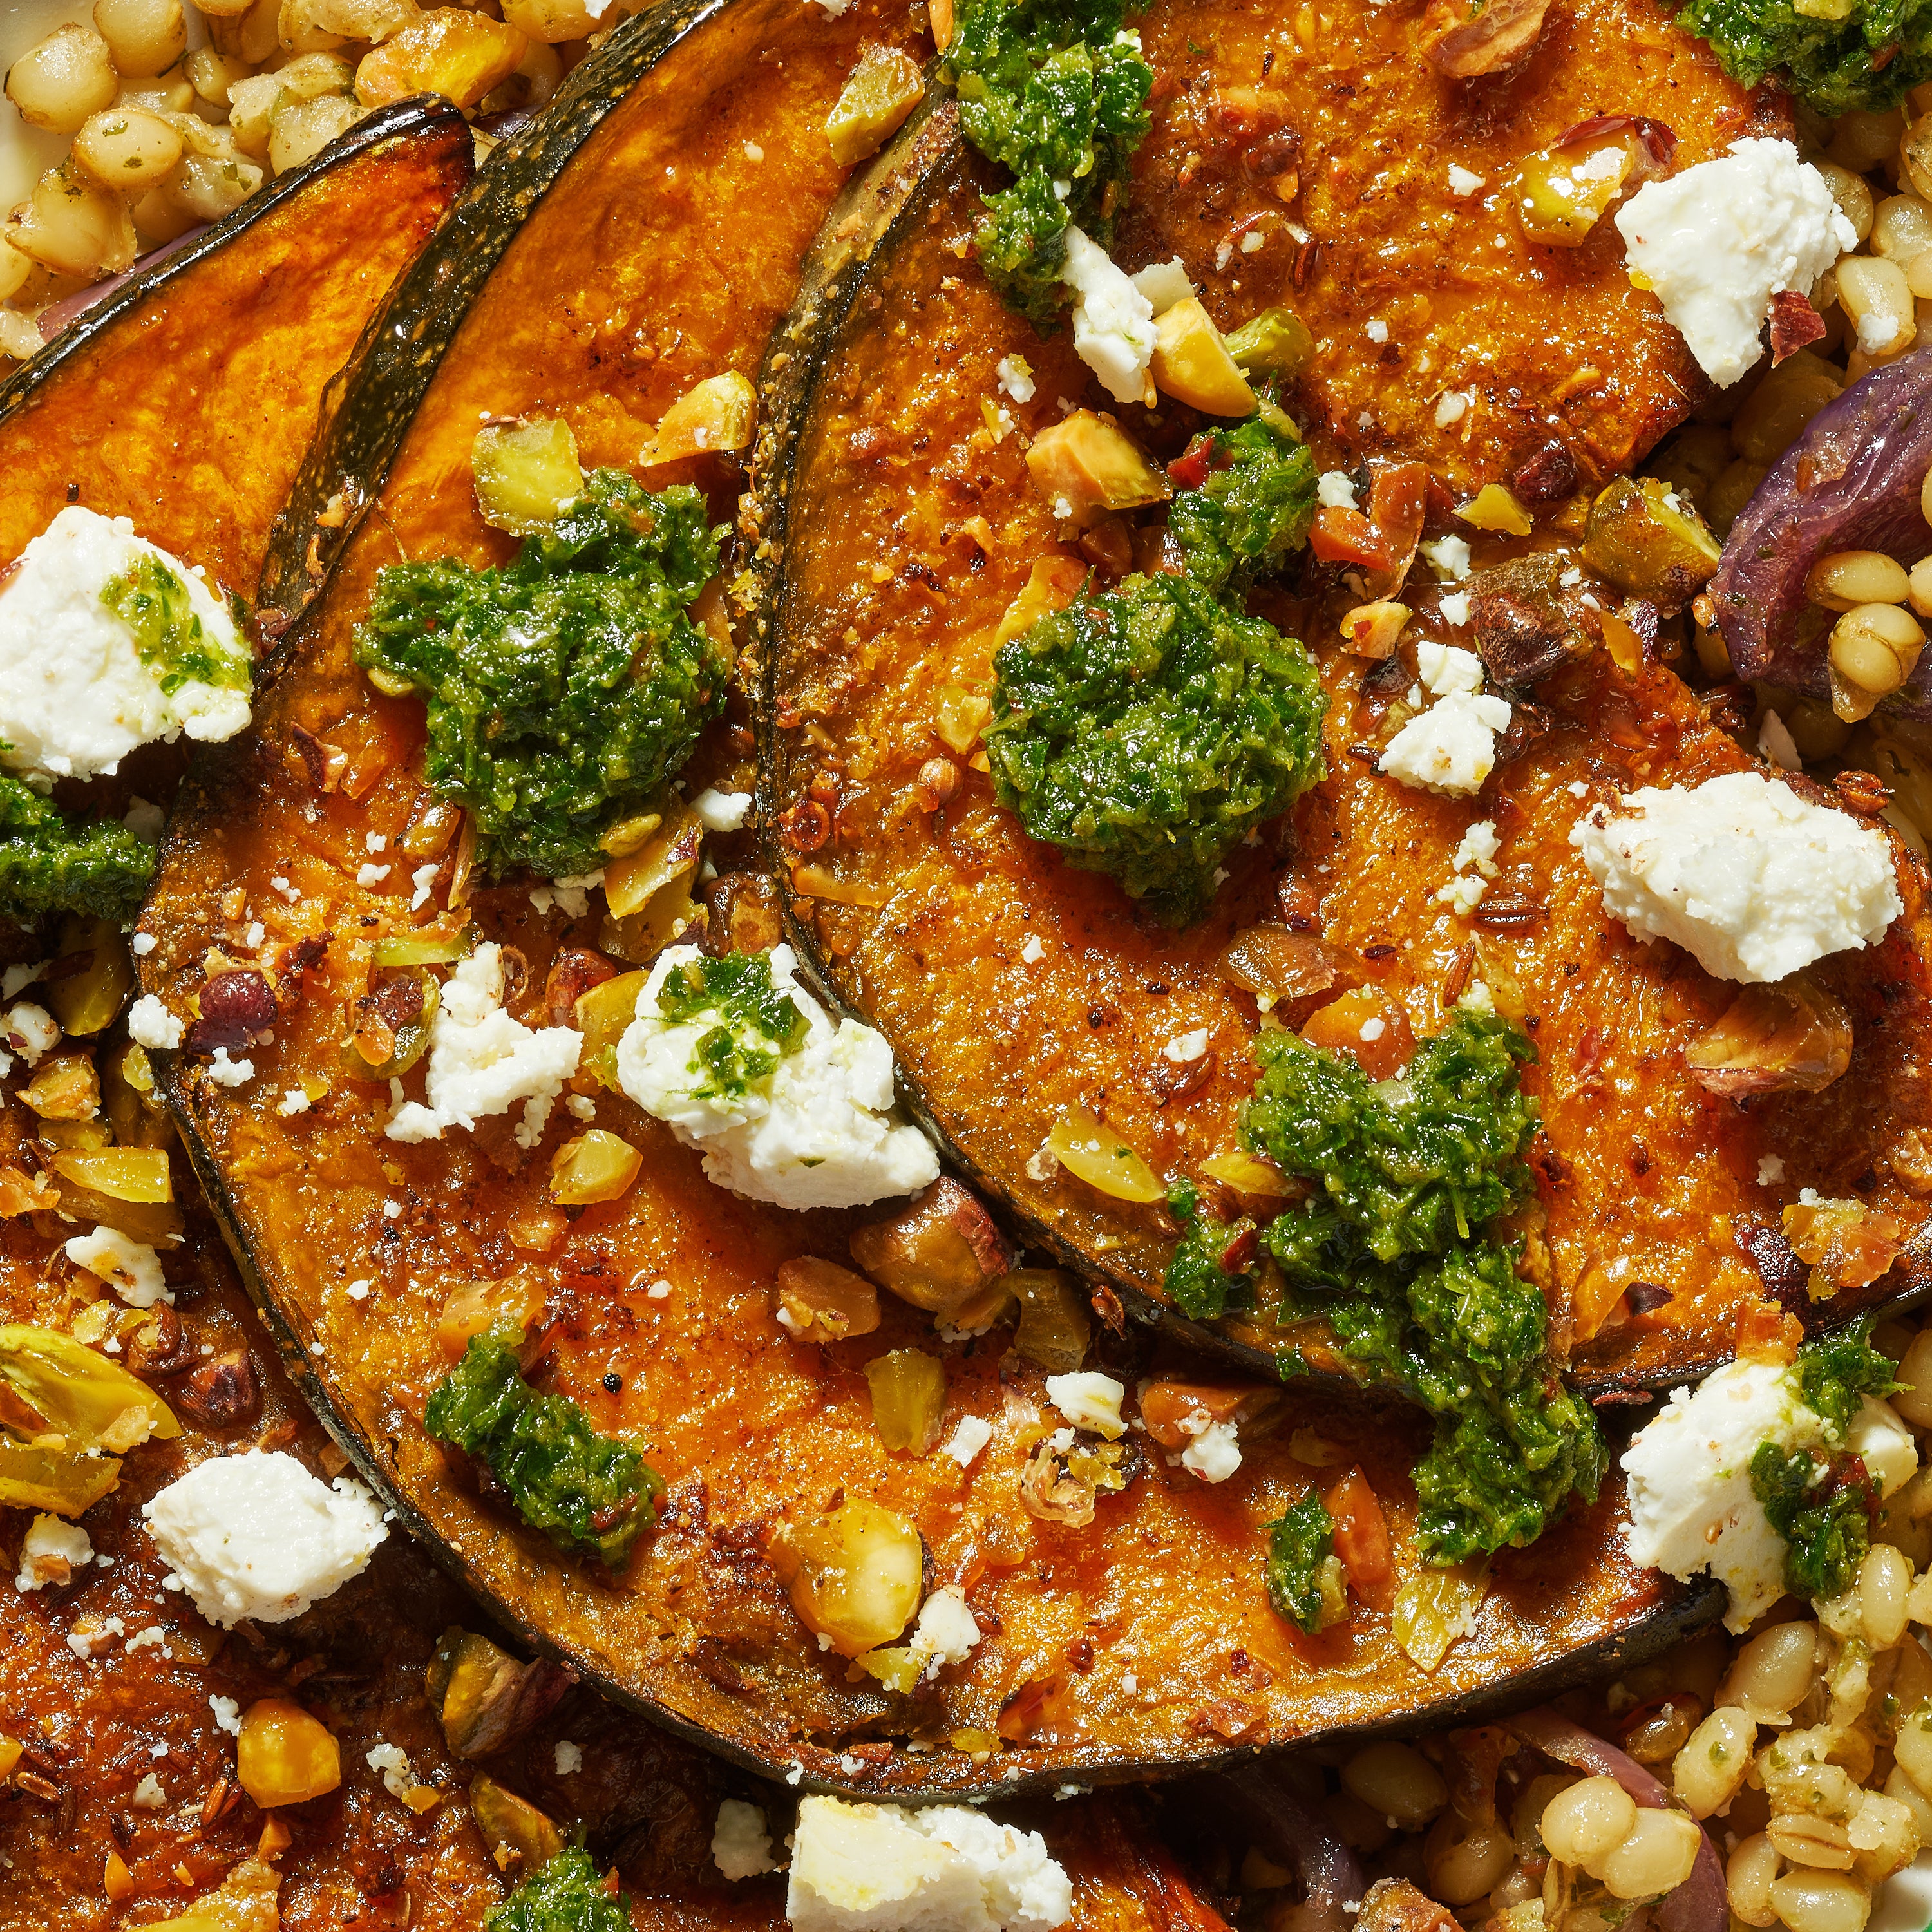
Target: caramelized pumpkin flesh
x,y
1079,1058
812,1500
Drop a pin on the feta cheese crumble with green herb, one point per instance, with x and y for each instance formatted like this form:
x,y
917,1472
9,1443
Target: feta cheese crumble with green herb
x,y
786,1105
107,643
1710,1485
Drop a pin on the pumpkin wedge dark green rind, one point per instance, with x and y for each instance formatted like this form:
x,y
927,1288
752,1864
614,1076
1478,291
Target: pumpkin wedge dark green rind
x,y
924,949
156,404
391,369
403,120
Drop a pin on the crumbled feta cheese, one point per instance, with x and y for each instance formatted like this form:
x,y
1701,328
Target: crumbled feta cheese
x,y
392,1761
1776,746
572,892
51,1551
1461,182
293,1101
1455,607
1089,1400
1451,407
226,1072
375,841
817,1131
740,1845
721,811
75,696
1215,1453
423,879
1752,880
1186,1046
1691,1504
1463,893
941,1868
1449,558
946,1630
1163,283
1451,747
368,875
150,1024
1478,850
146,821
15,977
153,1638
1445,668
972,1435
1113,322
147,1795
483,1061
1718,240
31,1030
1253,244
256,1535
1335,490
358,1291
131,1268
1032,952
1770,1171
1376,330
567,1758
227,1715
1015,378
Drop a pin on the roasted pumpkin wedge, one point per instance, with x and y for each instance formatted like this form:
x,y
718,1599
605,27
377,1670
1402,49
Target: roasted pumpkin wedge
x,y
757,1556
1077,1058
1326,164
185,399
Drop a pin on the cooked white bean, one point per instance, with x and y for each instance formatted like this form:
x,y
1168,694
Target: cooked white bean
x,y
1820,1843
1901,226
1816,1901
307,127
1872,291
1847,578
126,150
1396,1781
74,227
1773,1671
1854,197
1914,1401
146,36
1655,1857
58,83
1747,1878
1710,1767
1885,1581
1465,1861
1587,1819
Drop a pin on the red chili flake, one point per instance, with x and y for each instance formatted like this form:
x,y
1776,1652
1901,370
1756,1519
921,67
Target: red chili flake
x,y
1794,322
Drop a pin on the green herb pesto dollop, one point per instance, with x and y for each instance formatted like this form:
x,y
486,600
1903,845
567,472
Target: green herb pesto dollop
x,y
1250,502
1822,1505
565,688
52,861
1055,92
758,1022
585,1491
1392,1247
1305,1582
1867,54
566,1895
153,602
1145,731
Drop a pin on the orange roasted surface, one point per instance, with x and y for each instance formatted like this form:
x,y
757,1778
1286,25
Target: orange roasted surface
x,y
1303,155
106,1681
1015,989
108,1685
1142,1636
201,458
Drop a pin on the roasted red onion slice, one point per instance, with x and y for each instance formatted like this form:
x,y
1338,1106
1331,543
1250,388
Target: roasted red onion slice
x,y
1279,1826
1700,1903
1851,481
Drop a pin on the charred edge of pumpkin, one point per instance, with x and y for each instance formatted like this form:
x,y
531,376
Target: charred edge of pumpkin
x,y
862,232
368,406
906,1778
422,117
